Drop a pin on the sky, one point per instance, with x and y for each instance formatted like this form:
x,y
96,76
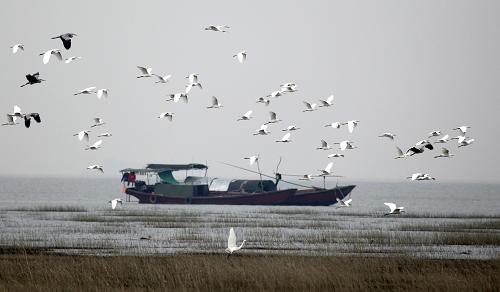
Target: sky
x,y
406,67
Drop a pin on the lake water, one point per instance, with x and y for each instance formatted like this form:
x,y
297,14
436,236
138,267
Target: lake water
x,y
70,215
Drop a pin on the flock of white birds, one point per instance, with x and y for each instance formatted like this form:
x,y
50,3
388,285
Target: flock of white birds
x,y
194,82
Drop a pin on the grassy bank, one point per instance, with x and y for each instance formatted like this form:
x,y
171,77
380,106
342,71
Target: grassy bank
x,y
21,270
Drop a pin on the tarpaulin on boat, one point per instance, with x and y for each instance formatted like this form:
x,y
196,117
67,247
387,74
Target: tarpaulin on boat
x,y
168,177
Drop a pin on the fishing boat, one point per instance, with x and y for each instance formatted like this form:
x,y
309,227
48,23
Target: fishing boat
x,y
161,187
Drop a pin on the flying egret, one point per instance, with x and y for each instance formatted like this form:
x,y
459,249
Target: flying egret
x,y
388,135
82,135
422,142
444,153
106,134
262,130
27,119
263,100
434,134
344,145
87,90
218,28
17,112
342,203
273,118
71,59
94,146
306,177
324,146
327,102
286,138
231,243
394,209
115,202
291,128
288,87
168,115
420,176
98,122
334,125
309,106
275,93
351,125
466,143
17,47
193,78
252,159
33,79
46,55
462,129
245,117
66,39
215,103
145,71
178,96
96,166
102,92
191,85
242,56
443,139
162,79
335,155
327,170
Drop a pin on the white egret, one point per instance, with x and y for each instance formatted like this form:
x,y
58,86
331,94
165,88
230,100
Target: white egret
x,y
145,71
351,125
344,145
288,87
285,139
263,100
400,153
275,93
71,59
466,143
168,115
191,85
443,139
96,166
262,130
291,128
327,102
434,134
106,134
115,202
46,55
334,125
246,116
231,243
66,39
162,79
98,122
94,146
324,146
342,203
444,153
82,135
309,106
178,96
11,120
327,170
218,28
306,177
273,118
17,47
215,103
394,209
193,78
87,90
388,135
241,56
462,129
252,159
335,155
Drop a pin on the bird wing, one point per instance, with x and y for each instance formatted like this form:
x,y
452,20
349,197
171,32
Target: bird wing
x,y
328,168
273,115
143,70
113,204
241,57
102,92
329,99
231,240
58,55
343,145
253,159
308,105
247,114
445,151
286,137
391,205
399,151
97,144
348,202
46,56
170,116
351,126
214,101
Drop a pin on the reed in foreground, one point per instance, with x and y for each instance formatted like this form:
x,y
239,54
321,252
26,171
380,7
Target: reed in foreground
x,y
243,272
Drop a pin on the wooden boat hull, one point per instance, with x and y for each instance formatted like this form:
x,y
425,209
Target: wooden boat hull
x,y
216,198
319,197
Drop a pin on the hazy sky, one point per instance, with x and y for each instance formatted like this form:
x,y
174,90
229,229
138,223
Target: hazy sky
x,y
407,67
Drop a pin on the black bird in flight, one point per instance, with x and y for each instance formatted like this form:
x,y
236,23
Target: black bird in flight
x,y
27,119
66,39
33,79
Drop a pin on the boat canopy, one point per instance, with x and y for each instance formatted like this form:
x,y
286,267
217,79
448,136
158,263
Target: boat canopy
x,y
155,168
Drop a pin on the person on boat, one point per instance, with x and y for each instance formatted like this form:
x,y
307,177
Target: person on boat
x,y
131,179
125,178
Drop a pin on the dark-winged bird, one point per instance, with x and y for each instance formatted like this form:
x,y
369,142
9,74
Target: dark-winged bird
x,y
33,79
66,39
27,119
418,149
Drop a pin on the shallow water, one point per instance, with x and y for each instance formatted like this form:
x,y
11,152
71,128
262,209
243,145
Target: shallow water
x,y
72,215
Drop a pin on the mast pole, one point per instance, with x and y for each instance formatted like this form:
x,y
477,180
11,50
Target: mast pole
x,y
260,173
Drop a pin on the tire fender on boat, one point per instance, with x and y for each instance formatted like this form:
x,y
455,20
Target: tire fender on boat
x,y
152,198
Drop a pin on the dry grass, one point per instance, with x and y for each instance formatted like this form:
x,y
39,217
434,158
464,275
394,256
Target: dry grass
x,y
243,272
